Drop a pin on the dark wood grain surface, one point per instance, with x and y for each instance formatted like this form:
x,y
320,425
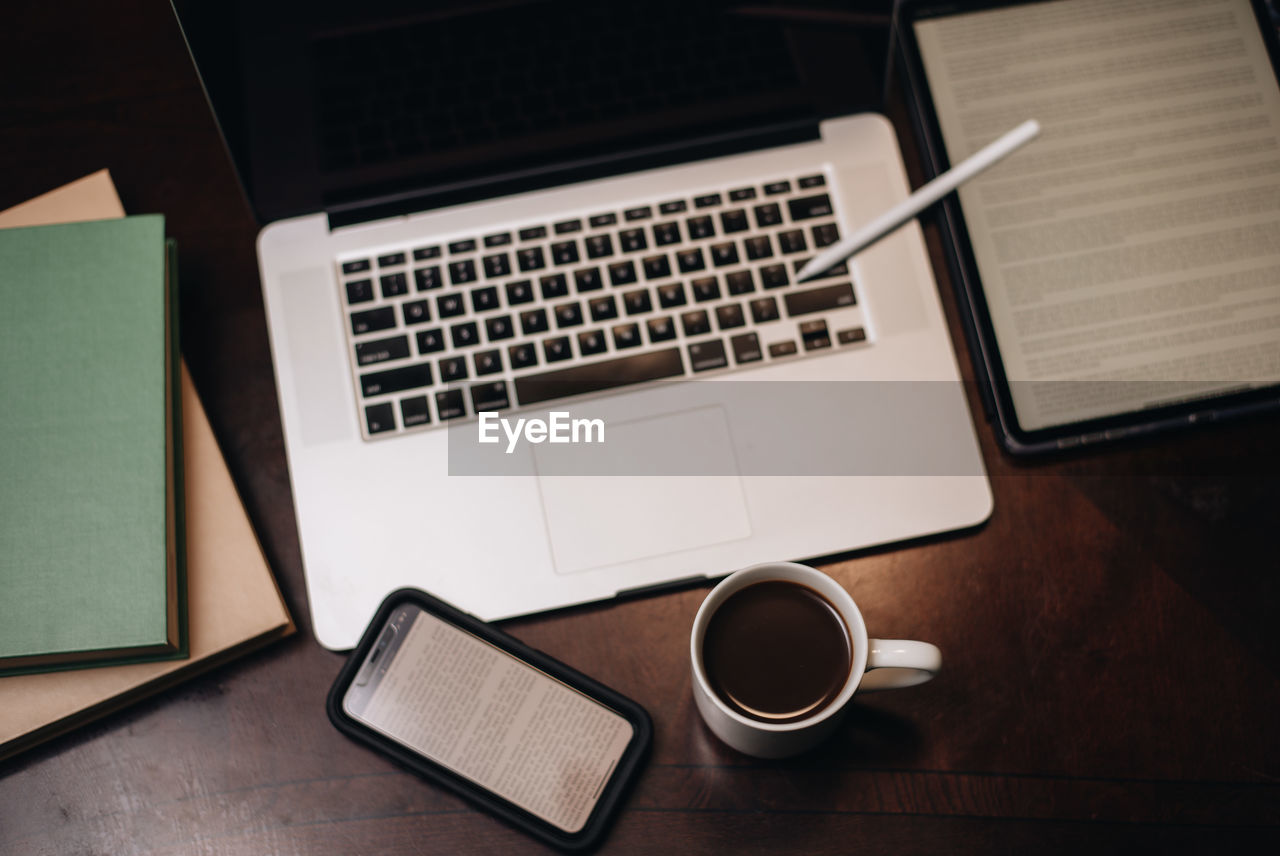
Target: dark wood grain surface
x,y
1110,635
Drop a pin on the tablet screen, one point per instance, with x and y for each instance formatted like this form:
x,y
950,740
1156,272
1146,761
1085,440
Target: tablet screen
x,y
1130,256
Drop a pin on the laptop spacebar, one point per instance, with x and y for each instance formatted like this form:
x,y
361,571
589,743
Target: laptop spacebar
x,y
594,377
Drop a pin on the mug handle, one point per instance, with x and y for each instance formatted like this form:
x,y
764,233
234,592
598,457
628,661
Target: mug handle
x,y
899,663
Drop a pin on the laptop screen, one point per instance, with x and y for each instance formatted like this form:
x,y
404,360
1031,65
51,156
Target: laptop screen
x,y
385,106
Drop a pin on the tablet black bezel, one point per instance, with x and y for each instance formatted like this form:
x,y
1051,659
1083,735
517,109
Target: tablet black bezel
x,y
979,330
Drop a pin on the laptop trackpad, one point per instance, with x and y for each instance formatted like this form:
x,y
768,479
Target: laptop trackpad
x,y
602,510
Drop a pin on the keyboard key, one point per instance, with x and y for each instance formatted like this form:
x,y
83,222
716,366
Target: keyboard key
x,y
808,207
739,282
814,335
700,227
742,194
593,377
422,254
530,258
567,226
533,321
768,215
394,285
705,288
588,279
661,329
782,349
706,201
488,362
695,323
449,404
520,291
746,348
656,267
554,350
465,246
564,252
812,181
396,380
453,368
382,350
414,411
774,276
643,212
489,396
734,221
416,312
792,241
554,286
591,342
359,266
502,239
428,278
729,316
775,187
485,299
598,246
380,418
666,233
673,207
757,247
622,273
841,269
825,235
430,341
462,272
497,266
704,356
851,336
391,259
637,302
764,310
632,240
724,254
522,356
533,233
599,221
690,260
360,291
812,300
499,328
626,336
603,308
568,315
450,305
671,295
465,335
370,320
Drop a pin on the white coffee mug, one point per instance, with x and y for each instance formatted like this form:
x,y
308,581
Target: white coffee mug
x,y
899,663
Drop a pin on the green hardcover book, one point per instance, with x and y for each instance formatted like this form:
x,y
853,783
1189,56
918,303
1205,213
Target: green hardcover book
x,y
91,551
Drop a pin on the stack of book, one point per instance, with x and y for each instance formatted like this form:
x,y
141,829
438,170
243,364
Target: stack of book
x,y
127,562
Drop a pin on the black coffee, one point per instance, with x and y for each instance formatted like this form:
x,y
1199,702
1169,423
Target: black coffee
x,y
777,651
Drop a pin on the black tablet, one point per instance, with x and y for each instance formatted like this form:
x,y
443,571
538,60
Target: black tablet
x,y
1121,273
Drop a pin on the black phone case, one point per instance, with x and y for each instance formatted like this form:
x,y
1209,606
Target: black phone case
x,y
615,790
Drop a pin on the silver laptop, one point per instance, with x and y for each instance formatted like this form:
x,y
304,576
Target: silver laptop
x,y
569,245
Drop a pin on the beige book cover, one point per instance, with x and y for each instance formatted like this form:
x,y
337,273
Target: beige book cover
x,y
232,599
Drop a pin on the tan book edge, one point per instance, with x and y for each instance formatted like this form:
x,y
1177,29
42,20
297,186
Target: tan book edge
x,y
233,602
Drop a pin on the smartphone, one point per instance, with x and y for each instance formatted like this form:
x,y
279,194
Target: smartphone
x,y
514,731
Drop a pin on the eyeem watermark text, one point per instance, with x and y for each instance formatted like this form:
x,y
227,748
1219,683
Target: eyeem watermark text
x,y
558,427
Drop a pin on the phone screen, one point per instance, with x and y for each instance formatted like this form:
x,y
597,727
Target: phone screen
x,y
489,717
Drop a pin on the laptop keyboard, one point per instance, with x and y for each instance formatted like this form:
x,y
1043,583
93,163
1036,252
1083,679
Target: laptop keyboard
x,y
538,312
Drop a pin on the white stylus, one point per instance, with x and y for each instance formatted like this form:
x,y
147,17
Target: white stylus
x,y
924,197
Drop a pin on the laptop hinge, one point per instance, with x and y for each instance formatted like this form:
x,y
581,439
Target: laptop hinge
x,y
554,175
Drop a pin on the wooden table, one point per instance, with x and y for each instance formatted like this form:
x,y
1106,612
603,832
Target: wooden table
x,y
1110,635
